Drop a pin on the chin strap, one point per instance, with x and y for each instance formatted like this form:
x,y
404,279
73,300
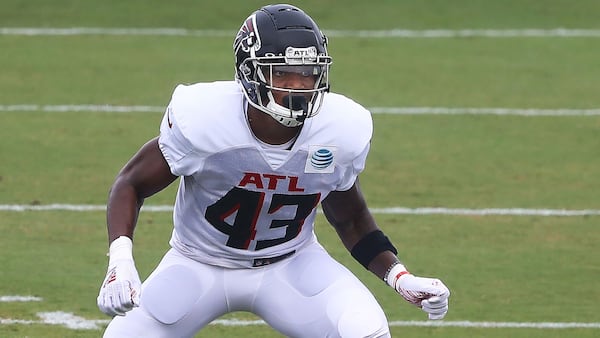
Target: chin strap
x,y
292,114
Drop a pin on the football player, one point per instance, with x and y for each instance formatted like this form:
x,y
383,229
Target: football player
x,y
256,157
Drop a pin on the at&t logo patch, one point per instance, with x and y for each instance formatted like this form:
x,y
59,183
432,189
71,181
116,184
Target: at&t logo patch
x,y
321,159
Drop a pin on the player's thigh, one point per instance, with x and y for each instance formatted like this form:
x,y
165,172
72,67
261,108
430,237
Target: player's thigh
x,y
313,295
178,299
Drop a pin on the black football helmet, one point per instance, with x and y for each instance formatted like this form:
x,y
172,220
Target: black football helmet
x,y
281,37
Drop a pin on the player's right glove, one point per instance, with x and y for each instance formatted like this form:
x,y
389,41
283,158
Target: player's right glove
x,y
429,294
120,291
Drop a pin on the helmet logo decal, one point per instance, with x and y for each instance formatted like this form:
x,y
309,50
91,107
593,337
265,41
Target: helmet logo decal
x,y
309,53
320,159
247,37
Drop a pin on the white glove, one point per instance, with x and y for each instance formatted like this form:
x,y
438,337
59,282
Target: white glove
x,y
120,291
429,294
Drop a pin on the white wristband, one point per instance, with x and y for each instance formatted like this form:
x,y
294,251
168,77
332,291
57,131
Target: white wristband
x,y
121,248
396,271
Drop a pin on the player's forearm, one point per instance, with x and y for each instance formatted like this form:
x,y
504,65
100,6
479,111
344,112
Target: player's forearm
x,y
122,210
348,214
368,244
353,230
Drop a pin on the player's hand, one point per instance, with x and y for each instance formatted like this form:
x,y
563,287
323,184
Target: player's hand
x,y
429,294
120,291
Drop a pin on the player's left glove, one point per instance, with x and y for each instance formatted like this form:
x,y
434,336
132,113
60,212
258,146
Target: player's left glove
x,y
120,291
430,294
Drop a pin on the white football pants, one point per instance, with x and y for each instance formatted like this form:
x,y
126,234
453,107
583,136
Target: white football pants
x,y
306,295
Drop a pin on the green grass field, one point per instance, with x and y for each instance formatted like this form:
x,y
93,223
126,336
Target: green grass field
x,y
500,268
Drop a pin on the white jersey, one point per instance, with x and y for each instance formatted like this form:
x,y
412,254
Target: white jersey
x,y
236,206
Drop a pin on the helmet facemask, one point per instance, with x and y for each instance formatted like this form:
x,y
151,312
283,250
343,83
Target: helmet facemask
x,y
298,104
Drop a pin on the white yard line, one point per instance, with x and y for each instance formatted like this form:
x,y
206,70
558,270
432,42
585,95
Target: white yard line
x,y
65,319
106,108
74,322
487,211
17,298
429,323
391,210
80,108
390,33
498,325
484,111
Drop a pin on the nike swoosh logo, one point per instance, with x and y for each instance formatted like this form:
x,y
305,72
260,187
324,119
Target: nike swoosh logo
x,y
169,118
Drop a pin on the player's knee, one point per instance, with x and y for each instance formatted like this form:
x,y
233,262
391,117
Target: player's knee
x,y
136,323
360,323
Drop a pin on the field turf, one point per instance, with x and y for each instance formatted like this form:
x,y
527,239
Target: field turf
x,y
508,268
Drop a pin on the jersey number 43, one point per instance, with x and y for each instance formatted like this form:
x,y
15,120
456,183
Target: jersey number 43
x,y
247,206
